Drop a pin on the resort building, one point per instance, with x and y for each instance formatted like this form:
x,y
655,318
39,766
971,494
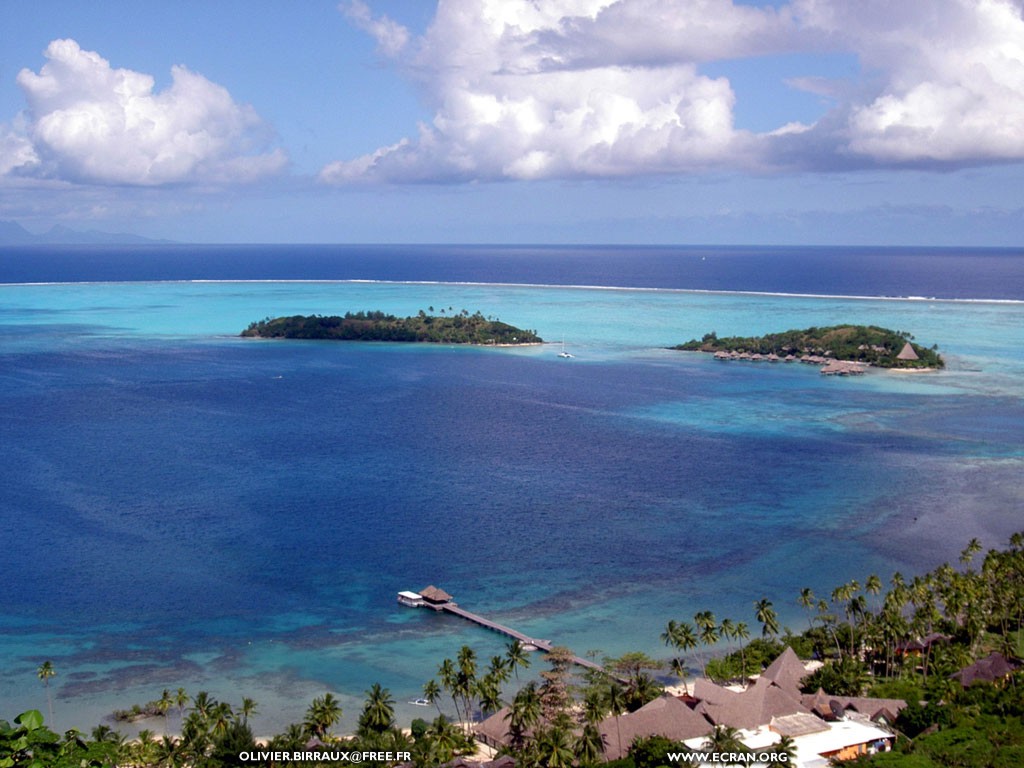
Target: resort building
x,y
992,669
429,597
411,599
907,353
435,596
665,716
920,646
822,727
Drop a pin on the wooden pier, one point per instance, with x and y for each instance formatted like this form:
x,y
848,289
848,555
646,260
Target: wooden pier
x,y
438,600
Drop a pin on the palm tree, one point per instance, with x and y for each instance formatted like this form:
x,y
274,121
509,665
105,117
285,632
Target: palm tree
x,y
379,712
168,753
248,708
163,705
221,717
450,681
203,704
709,634
467,661
679,670
499,669
973,548
724,738
786,746
828,621
489,692
704,619
616,701
180,700
873,585
642,689
554,749
728,630
806,601
742,634
445,739
682,635
294,737
44,673
594,706
323,713
668,637
765,614
465,680
525,712
589,746
145,747
517,657
431,692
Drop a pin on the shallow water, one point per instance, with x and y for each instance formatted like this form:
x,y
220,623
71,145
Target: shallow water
x,y
196,509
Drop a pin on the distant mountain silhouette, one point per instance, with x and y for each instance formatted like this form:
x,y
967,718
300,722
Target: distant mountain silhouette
x,y
12,233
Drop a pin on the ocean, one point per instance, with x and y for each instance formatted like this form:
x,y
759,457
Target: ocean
x,y
184,507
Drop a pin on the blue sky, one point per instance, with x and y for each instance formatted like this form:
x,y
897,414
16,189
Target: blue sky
x,y
591,121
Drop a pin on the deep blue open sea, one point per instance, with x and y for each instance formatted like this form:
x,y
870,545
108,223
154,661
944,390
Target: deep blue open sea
x,y
182,507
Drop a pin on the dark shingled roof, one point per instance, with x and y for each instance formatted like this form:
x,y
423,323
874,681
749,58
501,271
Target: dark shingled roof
x,y
494,730
786,671
993,667
922,644
819,704
664,716
750,709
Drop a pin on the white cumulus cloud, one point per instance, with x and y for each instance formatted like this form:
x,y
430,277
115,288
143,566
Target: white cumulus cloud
x,y
598,88
16,152
90,122
391,36
529,90
954,80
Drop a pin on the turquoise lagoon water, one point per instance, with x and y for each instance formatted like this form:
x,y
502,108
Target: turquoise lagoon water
x,y
190,508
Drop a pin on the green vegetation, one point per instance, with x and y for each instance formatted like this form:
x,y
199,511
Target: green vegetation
x,y
875,346
867,636
456,328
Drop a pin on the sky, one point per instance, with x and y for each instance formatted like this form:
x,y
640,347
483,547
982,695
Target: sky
x,y
809,122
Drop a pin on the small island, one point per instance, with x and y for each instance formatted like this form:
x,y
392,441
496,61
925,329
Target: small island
x,y
457,328
841,349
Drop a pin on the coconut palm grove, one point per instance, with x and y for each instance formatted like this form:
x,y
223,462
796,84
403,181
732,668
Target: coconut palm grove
x,y
936,658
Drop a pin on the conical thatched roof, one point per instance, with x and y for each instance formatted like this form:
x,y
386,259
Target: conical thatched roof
x,y
786,672
907,353
435,595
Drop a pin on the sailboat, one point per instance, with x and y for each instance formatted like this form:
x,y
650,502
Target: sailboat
x,y
563,353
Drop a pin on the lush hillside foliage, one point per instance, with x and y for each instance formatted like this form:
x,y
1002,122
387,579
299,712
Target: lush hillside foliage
x,y
863,343
457,328
867,635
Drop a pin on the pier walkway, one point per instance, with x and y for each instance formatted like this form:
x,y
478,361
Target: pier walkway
x,y
449,606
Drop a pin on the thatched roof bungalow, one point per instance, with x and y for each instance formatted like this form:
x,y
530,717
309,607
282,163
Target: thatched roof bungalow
x,y
919,645
821,704
749,710
907,353
664,716
435,595
787,671
992,668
